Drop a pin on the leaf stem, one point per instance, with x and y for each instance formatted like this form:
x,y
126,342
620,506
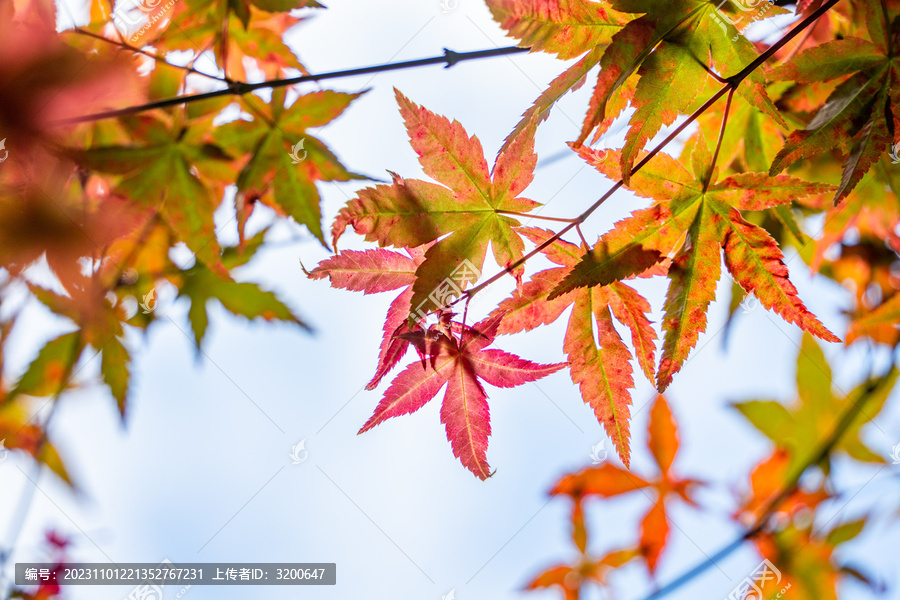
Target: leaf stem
x,y
707,179
530,216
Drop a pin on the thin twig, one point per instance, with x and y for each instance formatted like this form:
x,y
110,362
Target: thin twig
x,y
143,52
239,88
707,178
541,217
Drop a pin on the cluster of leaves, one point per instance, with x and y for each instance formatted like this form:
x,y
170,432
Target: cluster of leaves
x,y
791,525
96,218
835,89
799,136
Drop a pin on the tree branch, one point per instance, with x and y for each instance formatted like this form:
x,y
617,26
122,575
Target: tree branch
x,y
239,88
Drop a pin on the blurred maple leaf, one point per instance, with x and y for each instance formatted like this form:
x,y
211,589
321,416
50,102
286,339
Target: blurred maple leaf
x,y
608,480
284,160
800,428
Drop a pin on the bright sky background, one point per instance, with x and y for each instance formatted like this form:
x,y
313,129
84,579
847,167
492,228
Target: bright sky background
x,y
202,472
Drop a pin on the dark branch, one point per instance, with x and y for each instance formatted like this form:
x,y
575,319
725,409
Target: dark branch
x,y
239,88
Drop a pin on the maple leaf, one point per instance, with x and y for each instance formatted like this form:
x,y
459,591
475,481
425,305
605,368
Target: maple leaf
x,y
768,480
603,372
201,284
885,317
860,117
43,79
667,51
572,579
607,481
176,157
374,271
693,222
100,325
237,30
19,432
806,561
566,28
798,429
751,139
277,174
472,205
460,362
872,207
43,213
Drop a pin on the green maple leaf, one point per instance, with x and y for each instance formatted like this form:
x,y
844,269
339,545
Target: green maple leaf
x,y
693,222
669,51
469,206
284,160
860,117
161,174
200,285
801,427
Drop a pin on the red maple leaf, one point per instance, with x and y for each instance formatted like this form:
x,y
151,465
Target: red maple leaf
x,y
456,357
